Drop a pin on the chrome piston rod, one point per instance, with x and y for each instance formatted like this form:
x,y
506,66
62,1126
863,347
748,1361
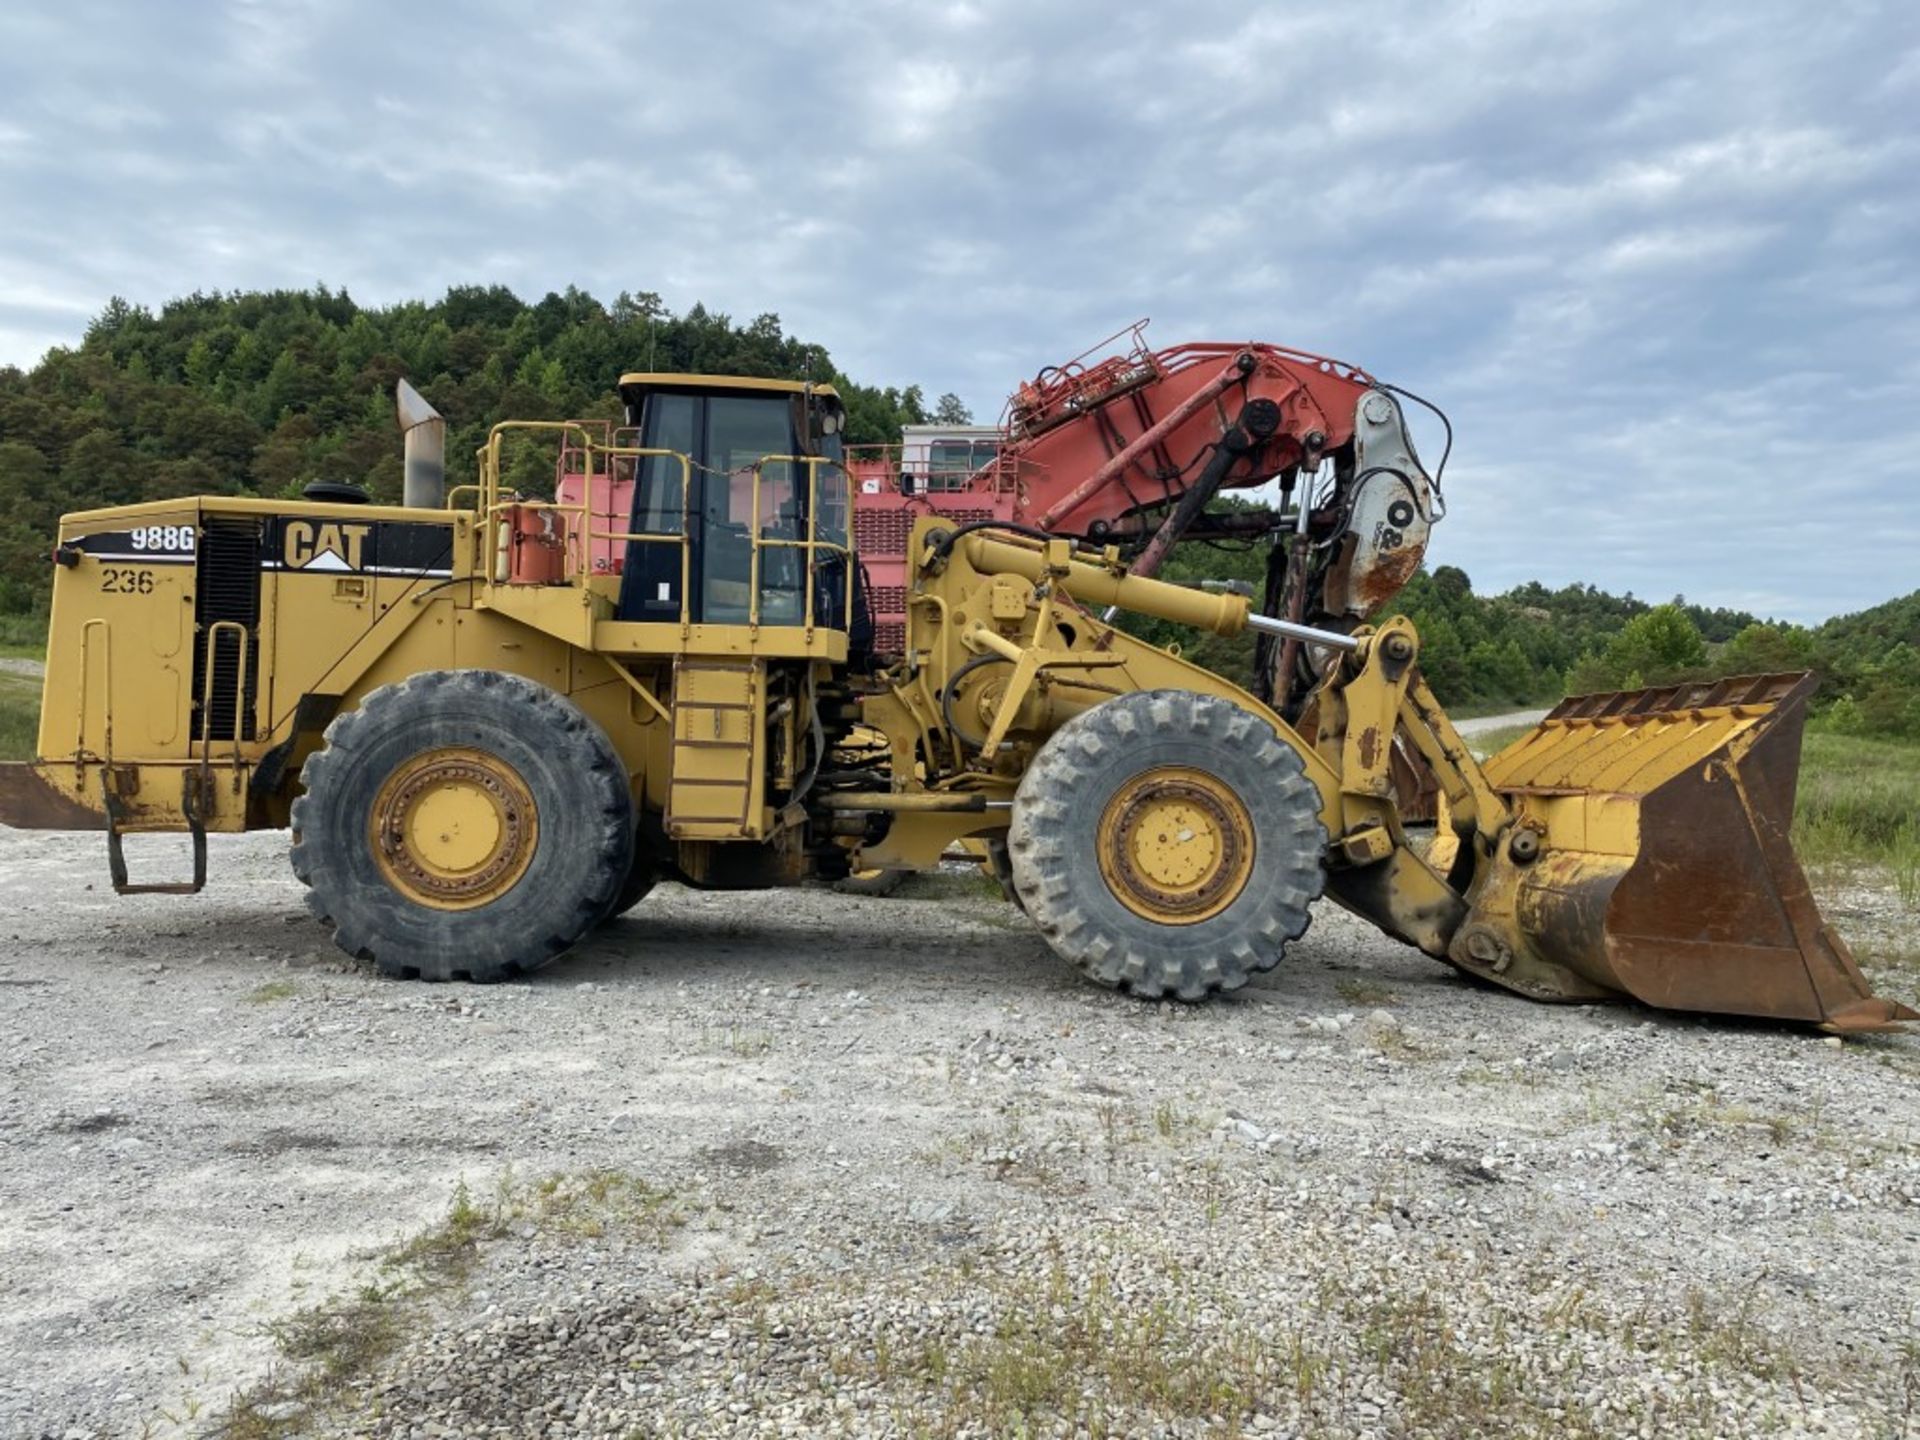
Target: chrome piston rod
x,y
1305,634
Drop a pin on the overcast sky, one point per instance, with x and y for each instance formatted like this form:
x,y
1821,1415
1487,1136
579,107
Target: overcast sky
x,y
1658,261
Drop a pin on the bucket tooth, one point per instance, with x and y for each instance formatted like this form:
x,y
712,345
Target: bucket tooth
x,y
1664,871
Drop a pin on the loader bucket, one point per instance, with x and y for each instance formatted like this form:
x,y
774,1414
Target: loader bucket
x,y
1658,864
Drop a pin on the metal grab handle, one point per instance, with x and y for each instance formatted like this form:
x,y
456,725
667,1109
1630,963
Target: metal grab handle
x,y
239,692
106,688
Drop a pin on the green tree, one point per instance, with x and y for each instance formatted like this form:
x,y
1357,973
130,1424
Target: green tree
x,y
1766,649
1655,648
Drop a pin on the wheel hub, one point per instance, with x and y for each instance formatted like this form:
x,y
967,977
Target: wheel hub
x,y
1176,845
454,828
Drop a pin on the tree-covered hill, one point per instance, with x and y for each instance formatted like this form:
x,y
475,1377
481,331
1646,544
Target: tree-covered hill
x,y
259,393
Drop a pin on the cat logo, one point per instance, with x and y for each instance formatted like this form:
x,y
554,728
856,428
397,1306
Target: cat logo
x,y
327,545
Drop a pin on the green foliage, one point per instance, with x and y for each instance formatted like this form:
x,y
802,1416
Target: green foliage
x,y
1871,669
1766,649
1655,648
1856,806
19,716
258,393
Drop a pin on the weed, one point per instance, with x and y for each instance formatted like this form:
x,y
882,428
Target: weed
x,y
1903,858
1707,1112
272,991
1732,1341
986,885
1855,808
23,635
449,1248
599,1202
1394,1043
342,1338
734,1040
1086,1350
1366,992
330,1348
19,717
1488,743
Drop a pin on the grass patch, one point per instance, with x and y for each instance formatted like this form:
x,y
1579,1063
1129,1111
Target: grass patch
x,y
1063,1348
272,992
19,716
1488,743
736,1040
600,1201
1859,804
1675,1121
331,1349
1365,992
1876,956
1136,1345
1393,1043
23,636
448,1249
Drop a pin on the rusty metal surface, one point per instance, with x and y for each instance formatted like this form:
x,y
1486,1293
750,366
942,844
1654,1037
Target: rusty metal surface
x,y
1415,786
1667,873
29,802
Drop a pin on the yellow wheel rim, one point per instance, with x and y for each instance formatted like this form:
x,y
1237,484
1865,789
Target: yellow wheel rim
x,y
454,828
1176,845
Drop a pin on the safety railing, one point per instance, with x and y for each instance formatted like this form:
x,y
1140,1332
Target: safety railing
x,y
890,469
592,520
834,502
580,534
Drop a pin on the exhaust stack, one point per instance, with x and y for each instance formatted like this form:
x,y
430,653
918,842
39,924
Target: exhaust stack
x,y
425,486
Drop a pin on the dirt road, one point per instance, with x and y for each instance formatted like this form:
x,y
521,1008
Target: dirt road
x,y
1481,724
805,1164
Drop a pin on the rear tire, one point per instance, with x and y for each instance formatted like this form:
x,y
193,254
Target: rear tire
x,y
1168,843
463,825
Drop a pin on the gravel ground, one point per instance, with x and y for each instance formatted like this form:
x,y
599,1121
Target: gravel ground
x,y
806,1164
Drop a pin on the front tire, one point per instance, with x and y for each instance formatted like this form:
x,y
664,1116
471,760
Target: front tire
x,y
463,825
1168,843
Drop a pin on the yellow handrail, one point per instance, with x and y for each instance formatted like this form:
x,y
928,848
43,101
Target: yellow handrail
x,y
106,686
812,544
581,531
239,692
491,506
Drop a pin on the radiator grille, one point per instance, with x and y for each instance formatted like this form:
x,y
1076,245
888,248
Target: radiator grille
x,y
883,533
228,589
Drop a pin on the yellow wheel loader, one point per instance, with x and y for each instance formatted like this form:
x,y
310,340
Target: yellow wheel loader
x,y
492,721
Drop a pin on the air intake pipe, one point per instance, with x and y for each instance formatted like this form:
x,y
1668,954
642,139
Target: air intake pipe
x,y
425,486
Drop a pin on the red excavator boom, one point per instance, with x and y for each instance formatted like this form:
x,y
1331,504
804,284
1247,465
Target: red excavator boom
x,y
1129,445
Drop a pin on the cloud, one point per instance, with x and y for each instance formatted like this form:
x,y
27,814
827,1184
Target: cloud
x,y
1657,262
